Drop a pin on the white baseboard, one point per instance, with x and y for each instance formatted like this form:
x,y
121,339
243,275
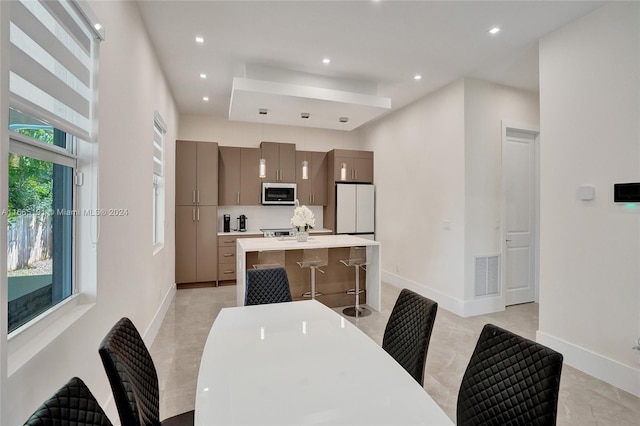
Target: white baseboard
x,y
596,365
485,305
152,330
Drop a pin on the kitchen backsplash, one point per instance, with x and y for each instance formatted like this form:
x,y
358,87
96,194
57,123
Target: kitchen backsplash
x,y
264,216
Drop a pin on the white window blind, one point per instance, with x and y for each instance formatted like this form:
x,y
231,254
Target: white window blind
x,y
53,50
159,130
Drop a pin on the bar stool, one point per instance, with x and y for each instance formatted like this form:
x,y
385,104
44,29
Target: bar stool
x,y
357,259
268,259
313,259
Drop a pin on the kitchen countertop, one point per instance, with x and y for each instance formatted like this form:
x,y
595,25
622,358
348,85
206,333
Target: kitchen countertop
x,y
258,233
290,243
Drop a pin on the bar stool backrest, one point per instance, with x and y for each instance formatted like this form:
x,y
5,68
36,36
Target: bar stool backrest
x,y
268,259
357,256
315,257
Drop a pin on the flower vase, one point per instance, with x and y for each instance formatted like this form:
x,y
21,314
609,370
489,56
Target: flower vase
x,y
302,236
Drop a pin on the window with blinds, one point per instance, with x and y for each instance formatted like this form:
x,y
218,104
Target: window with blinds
x,y
159,130
52,80
53,50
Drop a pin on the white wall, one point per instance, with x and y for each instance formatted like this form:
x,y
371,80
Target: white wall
x,y
131,281
590,250
485,106
419,167
439,160
235,133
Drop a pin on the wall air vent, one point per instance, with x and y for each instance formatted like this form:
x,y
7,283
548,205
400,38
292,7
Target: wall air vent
x,y
487,275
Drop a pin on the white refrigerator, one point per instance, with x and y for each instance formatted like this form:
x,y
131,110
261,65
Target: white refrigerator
x,y
355,209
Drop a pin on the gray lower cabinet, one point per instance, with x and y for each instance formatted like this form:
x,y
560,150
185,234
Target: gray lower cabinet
x,y
196,244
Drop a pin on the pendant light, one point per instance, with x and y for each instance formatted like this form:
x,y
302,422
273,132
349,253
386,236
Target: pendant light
x,y
343,165
305,163
262,169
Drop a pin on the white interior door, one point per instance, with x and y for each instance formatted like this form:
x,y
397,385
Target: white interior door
x,y
519,184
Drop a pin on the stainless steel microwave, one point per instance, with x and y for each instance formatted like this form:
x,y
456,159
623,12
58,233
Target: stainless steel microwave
x,y
280,194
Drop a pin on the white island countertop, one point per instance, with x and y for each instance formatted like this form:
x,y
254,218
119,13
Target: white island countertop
x,y
290,243
374,274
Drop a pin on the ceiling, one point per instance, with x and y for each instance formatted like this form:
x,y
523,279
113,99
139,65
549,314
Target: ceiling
x,y
274,51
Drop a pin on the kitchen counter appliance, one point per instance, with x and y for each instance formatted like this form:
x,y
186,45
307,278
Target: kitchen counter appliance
x,y
242,223
279,194
277,232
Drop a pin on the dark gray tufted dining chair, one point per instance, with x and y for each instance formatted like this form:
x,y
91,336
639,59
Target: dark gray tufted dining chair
x,y
72,405
133,378
510,380
267,286
408,332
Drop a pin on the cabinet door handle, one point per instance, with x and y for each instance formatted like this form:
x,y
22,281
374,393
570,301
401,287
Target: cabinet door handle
x,y
310,199
229,255
237,198
228,241
356,172
198,198
193,197
198,215
229,272
313,198
193,215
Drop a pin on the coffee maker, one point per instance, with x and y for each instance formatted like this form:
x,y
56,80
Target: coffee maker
x,y
227,223
242,223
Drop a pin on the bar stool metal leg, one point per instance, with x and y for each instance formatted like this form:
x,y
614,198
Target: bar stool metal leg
x,y
357,259
313,259
313,293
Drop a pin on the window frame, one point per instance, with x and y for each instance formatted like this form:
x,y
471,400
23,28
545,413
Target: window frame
x,y
29,339
20,144
158,184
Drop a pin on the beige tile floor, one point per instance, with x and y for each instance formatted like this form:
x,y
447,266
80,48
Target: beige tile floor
x,y
584,400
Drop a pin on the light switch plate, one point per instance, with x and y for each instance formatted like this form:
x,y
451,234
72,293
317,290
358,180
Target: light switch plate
x,y
586,192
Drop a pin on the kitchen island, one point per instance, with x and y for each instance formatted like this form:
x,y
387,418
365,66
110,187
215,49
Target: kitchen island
x,y
338,246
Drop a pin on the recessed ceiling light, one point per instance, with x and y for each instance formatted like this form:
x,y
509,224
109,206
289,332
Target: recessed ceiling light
x,y
199,39
203,75
326,60
494,30
417,77
205,98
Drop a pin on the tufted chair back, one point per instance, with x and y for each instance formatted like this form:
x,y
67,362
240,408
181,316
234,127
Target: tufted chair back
x,y
406,337
72,405
510,380
267,286
132,375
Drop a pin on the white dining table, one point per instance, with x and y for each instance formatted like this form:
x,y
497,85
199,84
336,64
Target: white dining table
x,y
301,363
